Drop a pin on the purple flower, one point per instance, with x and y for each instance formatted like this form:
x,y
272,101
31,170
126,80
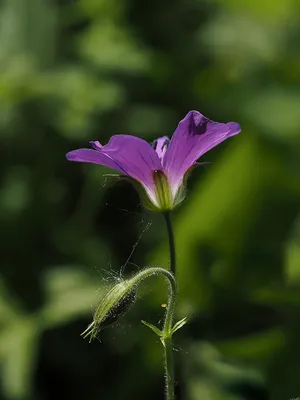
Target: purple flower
x,y
160,169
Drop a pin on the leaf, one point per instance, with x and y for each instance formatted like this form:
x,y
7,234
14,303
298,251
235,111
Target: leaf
x,y
69,294
179,325
256,346
282,375
157,331
112,175
18,353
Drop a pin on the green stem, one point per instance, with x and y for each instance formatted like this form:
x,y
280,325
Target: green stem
x,y
167,341
168,347
170,309
166,337
169,369
168,219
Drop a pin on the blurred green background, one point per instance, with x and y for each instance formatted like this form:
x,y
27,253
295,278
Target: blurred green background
x,y
78,70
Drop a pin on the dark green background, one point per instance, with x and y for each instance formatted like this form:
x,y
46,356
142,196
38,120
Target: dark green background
x,y
74,71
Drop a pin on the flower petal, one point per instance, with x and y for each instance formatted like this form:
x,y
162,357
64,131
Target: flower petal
x,y
94,157
194,136
160,145
96,145
130,155
134,155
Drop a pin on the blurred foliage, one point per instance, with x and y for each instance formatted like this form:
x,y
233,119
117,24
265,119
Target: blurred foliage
x,y
79,70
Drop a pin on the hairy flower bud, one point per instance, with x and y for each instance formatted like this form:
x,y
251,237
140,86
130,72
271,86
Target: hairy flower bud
x,y
119,309
115,303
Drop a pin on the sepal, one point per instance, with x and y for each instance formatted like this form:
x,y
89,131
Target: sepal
x,y
154,328
179,325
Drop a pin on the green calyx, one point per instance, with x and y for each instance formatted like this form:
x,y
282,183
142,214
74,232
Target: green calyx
x,y
147,203
181,192
164,199
180,195
163,191
163,195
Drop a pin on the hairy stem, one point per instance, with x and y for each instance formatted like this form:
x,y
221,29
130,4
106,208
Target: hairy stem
x,y
169,369
167,342
166,337
168,347
168,219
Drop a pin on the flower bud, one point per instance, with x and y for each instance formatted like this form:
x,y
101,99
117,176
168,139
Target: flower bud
x,y
119,309
114,304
